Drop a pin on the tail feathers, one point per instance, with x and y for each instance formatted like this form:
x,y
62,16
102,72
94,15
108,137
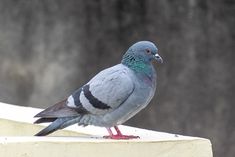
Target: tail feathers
x,y
59,123
44,120
52,127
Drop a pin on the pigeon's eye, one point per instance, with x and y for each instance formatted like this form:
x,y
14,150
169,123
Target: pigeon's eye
x,y
147,51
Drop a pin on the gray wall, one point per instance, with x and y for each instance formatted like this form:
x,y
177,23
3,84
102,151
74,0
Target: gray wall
x,y
49,48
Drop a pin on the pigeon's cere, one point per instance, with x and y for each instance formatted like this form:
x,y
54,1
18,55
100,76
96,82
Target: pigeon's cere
x,y
111,97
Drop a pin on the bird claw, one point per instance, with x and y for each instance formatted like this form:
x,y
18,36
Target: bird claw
x,y
121,137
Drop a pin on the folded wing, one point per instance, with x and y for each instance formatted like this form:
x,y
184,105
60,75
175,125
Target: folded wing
x,y
103,93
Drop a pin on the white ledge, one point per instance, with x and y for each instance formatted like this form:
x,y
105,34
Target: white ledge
x,y
17,140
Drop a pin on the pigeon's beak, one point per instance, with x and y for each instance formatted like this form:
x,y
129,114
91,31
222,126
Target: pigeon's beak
x,y
158,58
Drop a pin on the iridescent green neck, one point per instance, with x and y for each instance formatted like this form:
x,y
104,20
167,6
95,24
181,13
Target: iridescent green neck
x,y
137,64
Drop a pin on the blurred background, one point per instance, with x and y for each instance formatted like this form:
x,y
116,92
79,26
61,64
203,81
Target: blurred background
x,y
48,48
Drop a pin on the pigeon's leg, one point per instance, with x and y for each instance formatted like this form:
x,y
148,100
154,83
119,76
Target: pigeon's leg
x,y
111,135
124,136
110,132
119,135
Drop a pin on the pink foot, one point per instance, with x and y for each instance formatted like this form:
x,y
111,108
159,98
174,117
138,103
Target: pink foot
x,y
119,135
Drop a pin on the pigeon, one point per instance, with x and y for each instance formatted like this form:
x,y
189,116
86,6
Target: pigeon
x,y
111,97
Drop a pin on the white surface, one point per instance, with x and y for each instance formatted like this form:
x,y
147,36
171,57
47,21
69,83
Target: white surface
x,y
88,141
26,114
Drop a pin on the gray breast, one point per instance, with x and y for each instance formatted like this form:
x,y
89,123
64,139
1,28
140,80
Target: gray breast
x,y
139,99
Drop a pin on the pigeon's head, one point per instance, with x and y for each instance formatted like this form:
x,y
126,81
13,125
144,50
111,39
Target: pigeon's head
x,y
142,52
